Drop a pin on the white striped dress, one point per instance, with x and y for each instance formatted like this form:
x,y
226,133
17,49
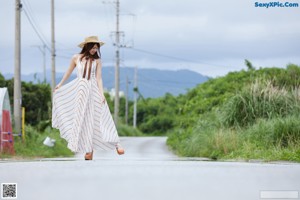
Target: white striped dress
x,y
79,113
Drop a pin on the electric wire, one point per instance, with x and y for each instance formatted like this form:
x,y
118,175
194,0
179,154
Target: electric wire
x,y
31,21
172,57
33,17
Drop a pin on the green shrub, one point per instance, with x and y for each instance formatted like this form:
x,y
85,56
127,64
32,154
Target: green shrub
x,y
158,125
259,119
260,100
125,130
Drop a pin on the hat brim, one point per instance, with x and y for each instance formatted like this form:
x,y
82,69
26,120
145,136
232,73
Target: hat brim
x,y
81,45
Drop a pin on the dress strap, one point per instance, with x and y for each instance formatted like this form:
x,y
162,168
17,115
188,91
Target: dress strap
x,y
88,68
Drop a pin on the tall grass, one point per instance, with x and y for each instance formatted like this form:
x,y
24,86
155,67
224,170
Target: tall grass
x,y
260,122
212,143
270,139
260,100
280,132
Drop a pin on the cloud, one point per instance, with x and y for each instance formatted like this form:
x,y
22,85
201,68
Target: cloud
x,y
220,33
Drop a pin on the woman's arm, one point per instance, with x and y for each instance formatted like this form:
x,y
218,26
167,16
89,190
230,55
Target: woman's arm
x,y
99,78
69,72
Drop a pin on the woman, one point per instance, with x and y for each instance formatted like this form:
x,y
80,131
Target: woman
x,y
80,110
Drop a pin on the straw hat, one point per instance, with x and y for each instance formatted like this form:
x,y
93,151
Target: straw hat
x,y
91,39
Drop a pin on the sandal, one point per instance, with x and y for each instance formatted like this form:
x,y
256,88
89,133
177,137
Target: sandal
x,y
120,149
89,156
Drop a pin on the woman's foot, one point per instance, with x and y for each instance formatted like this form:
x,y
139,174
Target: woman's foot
x,y
89,156
120,149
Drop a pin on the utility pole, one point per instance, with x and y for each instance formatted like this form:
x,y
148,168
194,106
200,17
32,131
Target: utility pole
x,y
135,97
117,67
44,62
17,75
126,103
52,46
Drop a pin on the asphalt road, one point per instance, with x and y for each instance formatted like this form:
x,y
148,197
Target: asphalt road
x,y
148,171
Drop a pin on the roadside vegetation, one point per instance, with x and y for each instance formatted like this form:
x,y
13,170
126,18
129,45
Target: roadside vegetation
x,y
255,116
244,115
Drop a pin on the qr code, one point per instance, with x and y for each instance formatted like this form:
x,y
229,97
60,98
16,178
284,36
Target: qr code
x,y
9,190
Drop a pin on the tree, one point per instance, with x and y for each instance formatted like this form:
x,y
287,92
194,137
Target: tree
x,y
249,65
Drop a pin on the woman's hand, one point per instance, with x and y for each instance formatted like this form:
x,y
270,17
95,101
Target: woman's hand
x,y
57,87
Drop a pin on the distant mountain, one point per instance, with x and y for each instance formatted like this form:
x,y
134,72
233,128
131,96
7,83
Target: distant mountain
x,y
151,82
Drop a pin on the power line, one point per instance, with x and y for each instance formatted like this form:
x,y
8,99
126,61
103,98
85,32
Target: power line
x,y
166,81
69,50
31,21
108,15
174,82
64,57
149,79
33,17
172,57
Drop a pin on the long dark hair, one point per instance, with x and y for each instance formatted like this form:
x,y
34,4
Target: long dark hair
x,y
86,51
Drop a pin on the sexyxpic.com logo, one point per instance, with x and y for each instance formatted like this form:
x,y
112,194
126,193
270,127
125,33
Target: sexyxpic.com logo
x,y
276,4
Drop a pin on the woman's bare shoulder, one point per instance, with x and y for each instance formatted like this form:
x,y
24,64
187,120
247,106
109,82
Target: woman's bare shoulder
x,y
98,61
76,56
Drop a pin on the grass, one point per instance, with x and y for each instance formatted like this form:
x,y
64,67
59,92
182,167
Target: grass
x,y
33,146
258,123
260,100
125,130
268,140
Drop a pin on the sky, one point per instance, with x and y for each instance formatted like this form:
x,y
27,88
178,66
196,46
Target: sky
x,y
209,37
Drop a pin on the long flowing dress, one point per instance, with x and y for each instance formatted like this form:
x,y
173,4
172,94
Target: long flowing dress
x,y
80,114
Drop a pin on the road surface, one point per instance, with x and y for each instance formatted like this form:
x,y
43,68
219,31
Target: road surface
x,y
147,171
